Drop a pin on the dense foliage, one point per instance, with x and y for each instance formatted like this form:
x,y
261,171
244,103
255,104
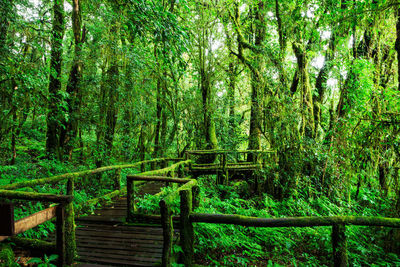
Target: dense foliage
x,y
87,83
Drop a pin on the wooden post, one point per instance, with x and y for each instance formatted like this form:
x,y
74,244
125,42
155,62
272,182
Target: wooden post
x,y
130,199
225,169
195,196
339,244
186,233
143,167
60,235
180,171
168,231
7,219
69,224
117,179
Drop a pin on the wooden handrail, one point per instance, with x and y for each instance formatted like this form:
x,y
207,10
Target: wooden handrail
x,y
293,221
174,194
338,224
149,176
157,179
64,212
9,194
166,215
63,177
31,221
171,168
221,151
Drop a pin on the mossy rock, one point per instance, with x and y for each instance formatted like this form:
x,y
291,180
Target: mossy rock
x,y
7,256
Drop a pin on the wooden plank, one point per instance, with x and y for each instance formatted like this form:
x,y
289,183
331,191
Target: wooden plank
x,y
120,242
35,219
102,256
122,253
103,219
136,245
113,235
90,265
121,228
32,221
7,219
114,262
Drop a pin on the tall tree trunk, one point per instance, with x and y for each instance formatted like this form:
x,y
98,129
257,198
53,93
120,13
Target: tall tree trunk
x,y
53,115
307,112
232,76
112,110
207,98
397,45
16,131
256,66
109,94
6,9
322,78
257,82
70,128
157,148
282,45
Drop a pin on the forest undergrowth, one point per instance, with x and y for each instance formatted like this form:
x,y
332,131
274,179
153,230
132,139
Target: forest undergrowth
x,y
230,245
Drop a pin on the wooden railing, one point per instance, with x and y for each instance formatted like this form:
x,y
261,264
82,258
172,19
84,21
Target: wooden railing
x,y
185,192
338,224
64,212
222,161
188,194
9,227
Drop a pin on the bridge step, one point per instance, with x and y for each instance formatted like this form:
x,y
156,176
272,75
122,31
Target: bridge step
x,y
104,240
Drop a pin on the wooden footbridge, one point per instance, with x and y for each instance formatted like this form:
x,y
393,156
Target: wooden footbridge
x,y
117,235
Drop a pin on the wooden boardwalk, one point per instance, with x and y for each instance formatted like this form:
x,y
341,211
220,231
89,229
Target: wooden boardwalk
x,y
103,239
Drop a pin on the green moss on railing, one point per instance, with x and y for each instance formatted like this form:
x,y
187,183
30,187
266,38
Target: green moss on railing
x,y
166,170
62,177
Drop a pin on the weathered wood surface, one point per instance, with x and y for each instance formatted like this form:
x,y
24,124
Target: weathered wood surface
x,y
104,240
32,221
7,219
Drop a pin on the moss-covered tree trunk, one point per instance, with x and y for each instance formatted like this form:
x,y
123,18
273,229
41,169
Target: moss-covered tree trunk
x,y
112,109
322,78
307,112
109,95
157,147
282,33
70,127
206,92
397,45
54,102
232,76
257,82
